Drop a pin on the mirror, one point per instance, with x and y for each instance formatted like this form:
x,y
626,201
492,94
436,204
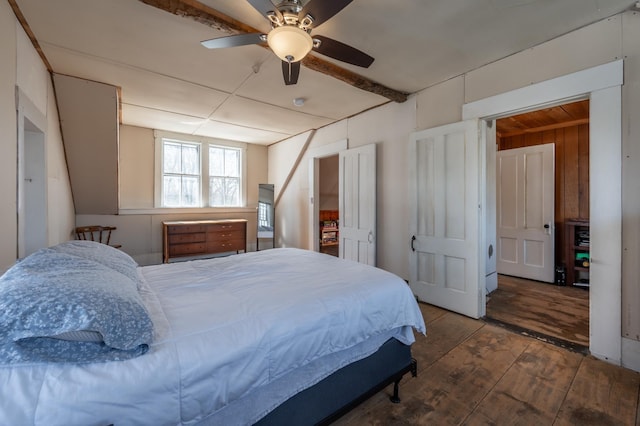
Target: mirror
x,y
266,214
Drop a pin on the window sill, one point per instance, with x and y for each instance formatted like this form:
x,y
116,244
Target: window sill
x,y
187,210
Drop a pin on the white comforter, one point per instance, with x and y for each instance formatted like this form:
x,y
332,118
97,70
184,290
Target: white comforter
x,y
224,329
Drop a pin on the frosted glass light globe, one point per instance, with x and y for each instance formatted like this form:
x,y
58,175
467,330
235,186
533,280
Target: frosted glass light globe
x,y
289,43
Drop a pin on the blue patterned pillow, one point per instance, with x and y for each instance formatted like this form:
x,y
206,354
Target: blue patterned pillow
x,y
51,293
101,253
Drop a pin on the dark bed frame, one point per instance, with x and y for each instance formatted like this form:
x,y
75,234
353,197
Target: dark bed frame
x,y
340,392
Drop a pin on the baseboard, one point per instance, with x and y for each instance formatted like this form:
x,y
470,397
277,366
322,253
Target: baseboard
x,y
631,354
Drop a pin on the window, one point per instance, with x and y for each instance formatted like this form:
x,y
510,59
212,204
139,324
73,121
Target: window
x,y
264,213
180,174
224,176
198,172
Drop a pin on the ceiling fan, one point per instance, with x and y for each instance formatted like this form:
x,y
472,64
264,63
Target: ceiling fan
x,y
290,36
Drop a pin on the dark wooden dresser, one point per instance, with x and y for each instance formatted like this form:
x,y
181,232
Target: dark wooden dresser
x,y
202,237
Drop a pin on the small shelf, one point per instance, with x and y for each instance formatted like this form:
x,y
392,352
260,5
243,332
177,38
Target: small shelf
x,y
329,236
577,253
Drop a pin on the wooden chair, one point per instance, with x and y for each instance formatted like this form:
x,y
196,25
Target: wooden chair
x,y
100,234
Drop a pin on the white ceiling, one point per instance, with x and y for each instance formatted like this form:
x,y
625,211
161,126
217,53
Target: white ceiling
x,y
170,82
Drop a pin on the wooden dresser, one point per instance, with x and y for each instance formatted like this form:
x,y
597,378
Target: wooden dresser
x,y
202,237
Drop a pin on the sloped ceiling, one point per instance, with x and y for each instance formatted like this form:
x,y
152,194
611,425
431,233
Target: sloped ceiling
x,y
170,82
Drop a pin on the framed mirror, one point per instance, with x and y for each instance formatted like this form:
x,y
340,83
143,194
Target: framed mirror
x,y
266,214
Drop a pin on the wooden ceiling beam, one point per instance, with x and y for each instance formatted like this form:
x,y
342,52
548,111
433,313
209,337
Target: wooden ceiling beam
x,y
206,15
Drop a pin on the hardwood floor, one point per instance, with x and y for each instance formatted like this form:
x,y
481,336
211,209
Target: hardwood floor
x,y
557,312
471,372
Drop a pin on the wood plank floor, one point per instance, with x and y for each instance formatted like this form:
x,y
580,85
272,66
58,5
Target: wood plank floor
x,y
559,312
471,372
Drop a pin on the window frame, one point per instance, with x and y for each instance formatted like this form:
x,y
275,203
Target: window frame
x,y
204,143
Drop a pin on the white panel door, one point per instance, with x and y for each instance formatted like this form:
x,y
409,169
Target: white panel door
x,y
525,212
445,176
357,204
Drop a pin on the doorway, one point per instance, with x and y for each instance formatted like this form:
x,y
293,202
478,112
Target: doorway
x,y
32,178
567,128
328,204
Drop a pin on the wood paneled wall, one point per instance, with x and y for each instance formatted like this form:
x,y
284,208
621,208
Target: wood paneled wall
x,y
571,172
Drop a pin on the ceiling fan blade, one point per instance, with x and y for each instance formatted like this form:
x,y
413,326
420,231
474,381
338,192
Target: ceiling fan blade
x,y
342,52
233,41
264,7
290,72
321,10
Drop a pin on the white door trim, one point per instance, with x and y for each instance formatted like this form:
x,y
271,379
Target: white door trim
x,y
32,196
602,85
315,155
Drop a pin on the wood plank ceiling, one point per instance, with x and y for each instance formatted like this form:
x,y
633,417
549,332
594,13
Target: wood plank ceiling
x,y
570,114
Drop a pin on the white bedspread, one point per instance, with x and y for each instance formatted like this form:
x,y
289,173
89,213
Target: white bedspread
x,y
223,329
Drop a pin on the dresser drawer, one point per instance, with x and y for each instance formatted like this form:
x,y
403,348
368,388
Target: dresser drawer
x,y
198,237
185,229
187,249
227,227
222,245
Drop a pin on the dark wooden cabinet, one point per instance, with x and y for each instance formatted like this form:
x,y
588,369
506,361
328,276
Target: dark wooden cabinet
x,y
202,237
577,252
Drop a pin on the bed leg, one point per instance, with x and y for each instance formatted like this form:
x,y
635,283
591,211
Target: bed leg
x,y
413,368
395,398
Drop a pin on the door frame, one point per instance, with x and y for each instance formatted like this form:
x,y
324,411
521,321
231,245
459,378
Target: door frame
x,y
602,86
31,197
315,155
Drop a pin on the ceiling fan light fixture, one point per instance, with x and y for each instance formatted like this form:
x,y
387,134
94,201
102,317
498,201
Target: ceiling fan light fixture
x,y
289,43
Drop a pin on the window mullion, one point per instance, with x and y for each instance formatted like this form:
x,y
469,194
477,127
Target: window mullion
x,y
204,173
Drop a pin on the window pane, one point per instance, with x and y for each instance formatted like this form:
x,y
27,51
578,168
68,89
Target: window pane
x,y
232,163
216,191
172,188
171,160
216,161
190,191
232,193
190,160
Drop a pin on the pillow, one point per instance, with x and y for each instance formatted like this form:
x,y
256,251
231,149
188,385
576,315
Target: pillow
x,y
79,336
49,296
101,253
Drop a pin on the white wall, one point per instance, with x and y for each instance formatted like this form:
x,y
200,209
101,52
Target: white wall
x,y
391,124
21,66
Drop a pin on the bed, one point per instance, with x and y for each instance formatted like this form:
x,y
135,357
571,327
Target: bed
x,y
281,336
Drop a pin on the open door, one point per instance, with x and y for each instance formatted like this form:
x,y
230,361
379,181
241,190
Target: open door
x,y
357,204
32,178
525,214
446,266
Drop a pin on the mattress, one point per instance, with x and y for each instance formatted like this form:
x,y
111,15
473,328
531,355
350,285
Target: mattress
x,y
233,338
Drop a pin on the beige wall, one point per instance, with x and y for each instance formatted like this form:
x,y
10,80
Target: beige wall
x,y
139,225
22,67
390,125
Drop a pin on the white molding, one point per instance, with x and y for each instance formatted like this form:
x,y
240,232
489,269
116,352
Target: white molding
x,y
329,149
561,89
602,84
631,354
314,155
194,210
